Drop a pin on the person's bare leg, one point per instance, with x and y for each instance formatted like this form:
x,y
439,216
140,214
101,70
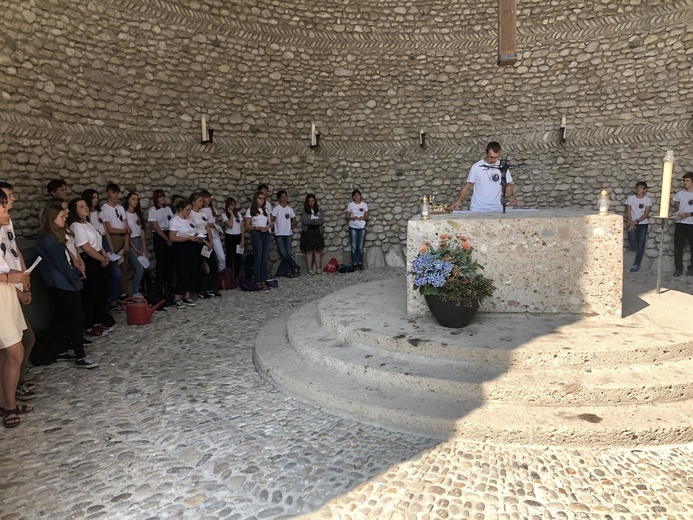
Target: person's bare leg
x,y
10,364
318,260
309,260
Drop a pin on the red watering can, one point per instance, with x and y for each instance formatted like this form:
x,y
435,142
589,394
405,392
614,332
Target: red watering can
x,y
138,310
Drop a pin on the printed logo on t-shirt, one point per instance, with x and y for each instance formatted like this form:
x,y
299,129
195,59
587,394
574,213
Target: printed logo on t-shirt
x,y
286,216
192,225
690,202
169,217
238,220
100,220
641,206
14,253
120,217
361,210
10,236
3,248
204,218
495,177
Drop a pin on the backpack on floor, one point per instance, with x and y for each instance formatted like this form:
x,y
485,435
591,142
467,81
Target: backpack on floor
x,y
246,284
346,268
248,269
227,280
332,266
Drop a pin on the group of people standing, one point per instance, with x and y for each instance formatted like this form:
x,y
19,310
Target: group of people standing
x,y
94,254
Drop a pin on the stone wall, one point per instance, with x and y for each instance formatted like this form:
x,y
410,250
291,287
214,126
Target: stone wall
x,y
96,91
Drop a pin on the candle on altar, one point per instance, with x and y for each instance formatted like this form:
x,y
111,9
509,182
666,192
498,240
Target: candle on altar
x,y
667,171
204,129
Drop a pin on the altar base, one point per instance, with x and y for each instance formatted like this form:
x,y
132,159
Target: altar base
x,y
543,261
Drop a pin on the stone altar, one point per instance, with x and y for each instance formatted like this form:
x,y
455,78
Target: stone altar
x,y
541,261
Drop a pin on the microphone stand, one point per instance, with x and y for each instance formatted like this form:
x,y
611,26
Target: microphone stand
x,y
503,166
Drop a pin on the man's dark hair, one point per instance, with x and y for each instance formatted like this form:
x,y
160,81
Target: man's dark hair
x,y
261,187
280,193
688,175
641,183
5,186
54,185
493,145
113,188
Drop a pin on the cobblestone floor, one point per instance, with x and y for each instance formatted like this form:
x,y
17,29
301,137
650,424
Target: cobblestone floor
x,y
175,423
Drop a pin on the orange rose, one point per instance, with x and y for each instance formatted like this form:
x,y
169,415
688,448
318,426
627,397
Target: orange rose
x,y
466,245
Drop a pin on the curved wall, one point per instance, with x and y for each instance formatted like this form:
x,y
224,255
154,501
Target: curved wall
x,y
96,91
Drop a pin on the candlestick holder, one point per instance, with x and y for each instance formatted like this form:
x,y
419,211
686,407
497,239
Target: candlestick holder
x,y
210,137
661,221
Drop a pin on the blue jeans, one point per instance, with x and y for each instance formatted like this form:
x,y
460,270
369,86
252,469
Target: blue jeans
x,y
284,246
357,238
261,246
114,271
136,265
637,239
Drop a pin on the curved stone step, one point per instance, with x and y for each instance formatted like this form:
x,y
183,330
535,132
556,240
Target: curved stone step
x,y
566,385
544,340
434,415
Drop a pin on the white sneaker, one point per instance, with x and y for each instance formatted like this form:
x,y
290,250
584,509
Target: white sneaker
x,y
311,271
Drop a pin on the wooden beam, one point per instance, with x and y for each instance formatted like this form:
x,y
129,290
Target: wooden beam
x,y
507,32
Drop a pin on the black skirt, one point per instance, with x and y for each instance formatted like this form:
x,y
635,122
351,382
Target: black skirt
x,y
312,240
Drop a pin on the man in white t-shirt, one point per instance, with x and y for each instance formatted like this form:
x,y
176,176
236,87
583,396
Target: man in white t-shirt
x,y
486,178
683,228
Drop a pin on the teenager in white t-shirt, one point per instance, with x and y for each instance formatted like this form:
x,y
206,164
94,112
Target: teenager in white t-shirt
x,y
211,213
284,220
683,228
638,208
137,239
115,224
357,216
257,221
208,281
186,254
13,257
234,235
95,288
159,217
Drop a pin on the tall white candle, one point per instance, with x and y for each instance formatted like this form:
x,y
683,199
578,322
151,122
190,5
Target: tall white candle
x,y
563,121
667,171
313,140
204,128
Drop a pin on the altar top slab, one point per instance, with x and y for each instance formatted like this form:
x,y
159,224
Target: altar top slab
x,y
515,213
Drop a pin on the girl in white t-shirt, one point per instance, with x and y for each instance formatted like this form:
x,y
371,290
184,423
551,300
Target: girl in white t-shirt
x,y
357,216
159,217
213,217
186,254
208,280
234,234
94,293
138,241
257,221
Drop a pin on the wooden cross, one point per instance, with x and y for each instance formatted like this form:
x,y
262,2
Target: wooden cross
x,y
507,37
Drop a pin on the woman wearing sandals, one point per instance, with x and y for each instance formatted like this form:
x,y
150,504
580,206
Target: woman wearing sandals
x,y
312,241
12,325
257,221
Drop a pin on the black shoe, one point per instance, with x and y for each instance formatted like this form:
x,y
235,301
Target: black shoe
x,y
689,272
87,341
678,272
360,267
204,295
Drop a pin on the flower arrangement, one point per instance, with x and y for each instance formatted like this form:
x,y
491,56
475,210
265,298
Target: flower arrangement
x,y
449,272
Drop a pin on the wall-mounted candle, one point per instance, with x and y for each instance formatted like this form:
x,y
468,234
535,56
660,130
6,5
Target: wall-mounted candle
x,y
313,136
204,129
564,120
667,171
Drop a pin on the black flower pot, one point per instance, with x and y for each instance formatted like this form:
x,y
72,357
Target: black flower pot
x,y
450,315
